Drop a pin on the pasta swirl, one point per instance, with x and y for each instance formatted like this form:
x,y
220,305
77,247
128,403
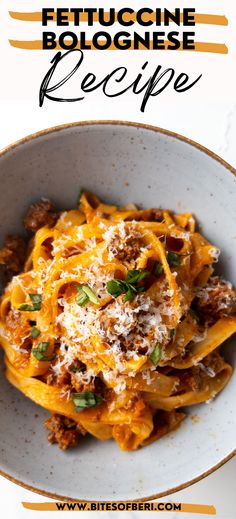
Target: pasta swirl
x,y
115,323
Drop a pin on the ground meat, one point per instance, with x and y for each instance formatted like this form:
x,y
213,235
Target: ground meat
x,y
126,326
112,325
40,214
128,250
217,299
12,258
81,385
67,380
64,431
18,329
62,379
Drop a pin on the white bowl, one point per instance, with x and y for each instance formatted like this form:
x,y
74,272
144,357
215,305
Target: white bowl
x,y
121,162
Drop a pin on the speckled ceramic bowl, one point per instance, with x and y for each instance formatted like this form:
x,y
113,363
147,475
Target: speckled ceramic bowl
x,y
121,162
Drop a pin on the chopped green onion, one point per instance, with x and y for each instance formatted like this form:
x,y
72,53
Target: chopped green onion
x,y
26,308
38,352
156,354
86,294
173,259
134,276
36,300
35,332
140,289
115,287
82,298
90,294
36,307
130,294
172,332
157,269
84,400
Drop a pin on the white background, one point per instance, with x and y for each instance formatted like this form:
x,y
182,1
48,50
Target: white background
x,y
206,113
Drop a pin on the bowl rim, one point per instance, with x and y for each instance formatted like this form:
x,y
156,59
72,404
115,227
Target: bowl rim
x,y
186,140
117,122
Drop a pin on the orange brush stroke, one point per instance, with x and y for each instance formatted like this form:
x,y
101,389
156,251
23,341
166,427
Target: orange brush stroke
x,y
211,19
52,507
215,48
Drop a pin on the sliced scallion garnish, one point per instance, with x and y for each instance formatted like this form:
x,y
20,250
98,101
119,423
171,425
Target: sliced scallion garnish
x,y
35,332
85,400
40,350
36,300
86,294
156,354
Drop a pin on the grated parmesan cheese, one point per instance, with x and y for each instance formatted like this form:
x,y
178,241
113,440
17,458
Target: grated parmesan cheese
x,y
214,253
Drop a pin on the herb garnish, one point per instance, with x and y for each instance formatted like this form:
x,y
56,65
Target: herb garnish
x,y
39,351
173,259
130,294
84,400
90,294
172,332
156,354
36,300
157,269
134,276
86,294
116,287
82,298
35,332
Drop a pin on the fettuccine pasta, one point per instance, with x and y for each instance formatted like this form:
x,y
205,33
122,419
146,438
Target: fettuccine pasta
x,y
115,321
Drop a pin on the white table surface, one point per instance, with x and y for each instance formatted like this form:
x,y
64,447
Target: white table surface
x,y
206,114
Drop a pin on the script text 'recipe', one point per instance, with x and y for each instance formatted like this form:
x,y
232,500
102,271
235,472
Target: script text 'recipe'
x,y
113,84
